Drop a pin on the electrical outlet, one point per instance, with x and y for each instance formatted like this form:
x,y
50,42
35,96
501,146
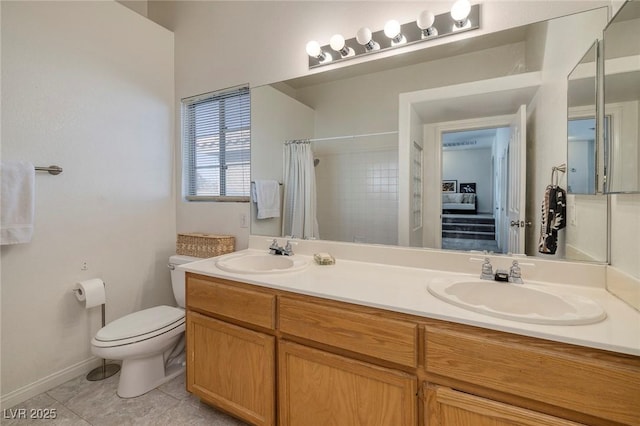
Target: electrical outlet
x,y
244,223
84,266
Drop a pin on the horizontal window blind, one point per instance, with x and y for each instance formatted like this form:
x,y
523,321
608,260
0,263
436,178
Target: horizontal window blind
x,y
217,144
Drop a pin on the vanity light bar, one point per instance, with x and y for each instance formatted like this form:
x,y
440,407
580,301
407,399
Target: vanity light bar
x,y
443,23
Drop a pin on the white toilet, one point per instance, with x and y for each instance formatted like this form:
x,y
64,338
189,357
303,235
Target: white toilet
x,y
150,342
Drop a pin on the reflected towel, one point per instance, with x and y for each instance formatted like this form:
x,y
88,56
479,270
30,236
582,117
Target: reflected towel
x,y
17,199
267,198
554,213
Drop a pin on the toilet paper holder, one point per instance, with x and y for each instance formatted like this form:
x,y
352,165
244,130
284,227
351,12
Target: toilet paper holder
x,y
105,370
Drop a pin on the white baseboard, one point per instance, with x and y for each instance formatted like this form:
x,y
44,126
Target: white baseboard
x,y
47,383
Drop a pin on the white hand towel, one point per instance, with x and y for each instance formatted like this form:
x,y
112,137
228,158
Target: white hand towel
x,y
17,198
267,198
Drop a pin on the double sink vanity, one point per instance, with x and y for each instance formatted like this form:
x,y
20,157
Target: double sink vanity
x,y
401,336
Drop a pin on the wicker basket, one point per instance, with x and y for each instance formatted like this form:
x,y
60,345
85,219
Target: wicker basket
x,y
204,245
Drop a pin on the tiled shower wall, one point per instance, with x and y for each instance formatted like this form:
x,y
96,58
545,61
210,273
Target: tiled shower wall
x,y
358,196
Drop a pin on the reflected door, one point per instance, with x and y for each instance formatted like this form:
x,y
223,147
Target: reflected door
x,y
517,182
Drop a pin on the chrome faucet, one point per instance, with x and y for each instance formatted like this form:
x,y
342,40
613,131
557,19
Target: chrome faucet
x,y
515,273
487,270
275,249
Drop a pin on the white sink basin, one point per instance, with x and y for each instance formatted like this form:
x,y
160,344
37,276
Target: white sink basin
x,y
518,302
260,263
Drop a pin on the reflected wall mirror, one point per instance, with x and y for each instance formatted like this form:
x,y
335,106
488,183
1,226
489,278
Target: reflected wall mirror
x,y
621,51
587,205
583,154
379,172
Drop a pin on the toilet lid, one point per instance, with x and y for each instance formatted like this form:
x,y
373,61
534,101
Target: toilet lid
x,y
140,323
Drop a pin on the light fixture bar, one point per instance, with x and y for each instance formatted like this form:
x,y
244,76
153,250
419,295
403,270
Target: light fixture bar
x,y
443,23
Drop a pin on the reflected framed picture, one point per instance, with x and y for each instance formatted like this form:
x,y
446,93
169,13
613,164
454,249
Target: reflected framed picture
x,y
468,188
449,186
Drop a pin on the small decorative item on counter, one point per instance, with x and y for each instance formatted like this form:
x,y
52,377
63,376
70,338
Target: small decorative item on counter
x,y
324,259
502,275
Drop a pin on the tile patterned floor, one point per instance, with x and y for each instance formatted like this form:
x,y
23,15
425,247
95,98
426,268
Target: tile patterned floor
x,y
81,402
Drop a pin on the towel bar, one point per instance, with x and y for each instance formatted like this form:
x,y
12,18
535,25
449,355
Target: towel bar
x,y
54,170
562,168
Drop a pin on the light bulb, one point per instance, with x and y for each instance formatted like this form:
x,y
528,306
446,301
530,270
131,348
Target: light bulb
x,y
392,30
337,43
425,20
425,23
364,37
460,11
313,49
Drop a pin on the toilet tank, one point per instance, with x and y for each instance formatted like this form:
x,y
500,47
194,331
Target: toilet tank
x,y
178,277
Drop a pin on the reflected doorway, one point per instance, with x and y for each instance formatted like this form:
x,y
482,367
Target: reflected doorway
x,y
581,153
474,189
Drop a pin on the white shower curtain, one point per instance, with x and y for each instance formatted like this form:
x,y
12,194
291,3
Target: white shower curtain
x,y
299,218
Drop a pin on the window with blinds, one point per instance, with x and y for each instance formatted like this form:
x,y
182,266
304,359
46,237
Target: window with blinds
x,y
217,142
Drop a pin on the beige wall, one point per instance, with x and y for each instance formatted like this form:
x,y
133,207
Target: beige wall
x,y
87,86
138,6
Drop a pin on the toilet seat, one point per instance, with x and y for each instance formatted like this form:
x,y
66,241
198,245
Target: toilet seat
x,y
139,326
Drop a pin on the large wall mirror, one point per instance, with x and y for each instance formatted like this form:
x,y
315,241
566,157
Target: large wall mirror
x,y
441,173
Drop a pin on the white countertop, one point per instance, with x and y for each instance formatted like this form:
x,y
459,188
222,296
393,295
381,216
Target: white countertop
x,y
404,289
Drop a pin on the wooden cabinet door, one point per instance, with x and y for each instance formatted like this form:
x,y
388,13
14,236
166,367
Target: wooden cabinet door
x,y
319,388
231,368
447,407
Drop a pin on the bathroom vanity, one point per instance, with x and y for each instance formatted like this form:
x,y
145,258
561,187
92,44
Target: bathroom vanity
x,y
365,343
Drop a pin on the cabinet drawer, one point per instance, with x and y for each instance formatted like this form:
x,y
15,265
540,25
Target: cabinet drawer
x,y
444,404
383,338
218,298
591,382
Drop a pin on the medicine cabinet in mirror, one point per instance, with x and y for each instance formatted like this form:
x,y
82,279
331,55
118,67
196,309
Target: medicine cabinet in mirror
x,y
587,205
383,179
583,151
621,51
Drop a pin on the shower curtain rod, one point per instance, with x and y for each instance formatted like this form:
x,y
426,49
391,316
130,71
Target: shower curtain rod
x,y
352,136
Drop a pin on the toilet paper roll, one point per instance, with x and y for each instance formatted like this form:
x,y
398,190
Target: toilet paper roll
x,y
90,292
